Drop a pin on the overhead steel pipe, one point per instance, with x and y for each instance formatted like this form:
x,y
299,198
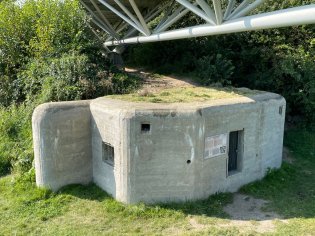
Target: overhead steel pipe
x,y
276,19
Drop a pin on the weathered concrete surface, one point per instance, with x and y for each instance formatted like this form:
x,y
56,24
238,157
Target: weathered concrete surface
x,y
168,163
61,134
109,125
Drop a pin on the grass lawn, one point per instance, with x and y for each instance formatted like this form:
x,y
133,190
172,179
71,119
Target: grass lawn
x,y
78,210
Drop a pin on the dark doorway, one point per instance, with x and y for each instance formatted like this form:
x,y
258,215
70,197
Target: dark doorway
x,y
233,151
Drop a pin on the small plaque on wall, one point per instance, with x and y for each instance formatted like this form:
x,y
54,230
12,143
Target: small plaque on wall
x,y
215,145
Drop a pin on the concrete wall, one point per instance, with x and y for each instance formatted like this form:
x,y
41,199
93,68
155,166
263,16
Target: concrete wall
x,y
272,129
109,126
166,163
62,144
159,170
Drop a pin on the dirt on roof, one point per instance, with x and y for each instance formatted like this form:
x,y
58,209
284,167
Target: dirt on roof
x,y
175,89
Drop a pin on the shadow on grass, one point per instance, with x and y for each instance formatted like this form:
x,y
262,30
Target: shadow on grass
x,y
88,192
5,167
212,206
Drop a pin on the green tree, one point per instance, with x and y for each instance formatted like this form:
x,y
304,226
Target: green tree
x,y
38,30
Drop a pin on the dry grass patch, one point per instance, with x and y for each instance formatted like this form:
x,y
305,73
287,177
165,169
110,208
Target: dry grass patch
x,y
184,94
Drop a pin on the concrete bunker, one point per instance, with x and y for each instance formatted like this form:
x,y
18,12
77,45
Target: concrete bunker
x,y
153,152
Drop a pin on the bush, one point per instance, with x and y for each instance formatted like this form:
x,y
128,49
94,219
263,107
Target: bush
x,y
5,166
47,53
294,79
16,149
38,31
8,93
211,70
72,77
54,79
45,28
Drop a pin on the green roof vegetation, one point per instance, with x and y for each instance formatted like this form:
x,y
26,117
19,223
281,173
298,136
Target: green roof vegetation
x,y
184,95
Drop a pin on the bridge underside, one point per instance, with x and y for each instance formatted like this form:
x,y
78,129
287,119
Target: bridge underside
x,y
140,21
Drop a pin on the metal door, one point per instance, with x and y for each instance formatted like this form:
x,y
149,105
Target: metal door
x,y
233,149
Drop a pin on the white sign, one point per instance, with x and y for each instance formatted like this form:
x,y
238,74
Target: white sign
x,y
215,145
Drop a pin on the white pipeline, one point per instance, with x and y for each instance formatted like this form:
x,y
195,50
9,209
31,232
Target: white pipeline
x,y
276,19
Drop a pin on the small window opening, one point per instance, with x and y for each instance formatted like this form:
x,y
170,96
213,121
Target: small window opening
x,y
145,128
108,154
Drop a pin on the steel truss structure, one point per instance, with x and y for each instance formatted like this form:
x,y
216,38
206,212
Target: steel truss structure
x,y
141,21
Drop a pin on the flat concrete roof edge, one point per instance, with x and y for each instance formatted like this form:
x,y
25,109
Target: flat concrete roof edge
x,y
50,107
190,106
129,106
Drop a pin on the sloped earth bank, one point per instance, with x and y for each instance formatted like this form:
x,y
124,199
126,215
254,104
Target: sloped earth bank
x,y
156,83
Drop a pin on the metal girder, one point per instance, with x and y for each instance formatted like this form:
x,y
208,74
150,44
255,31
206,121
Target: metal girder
x,y
218,11
206,8
229,8
102,15
241,7
248,9
97,21
276,19
172,19
123,27
196,10
140,17
122,16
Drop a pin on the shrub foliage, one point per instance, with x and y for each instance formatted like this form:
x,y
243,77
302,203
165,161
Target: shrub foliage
x,y
47,53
